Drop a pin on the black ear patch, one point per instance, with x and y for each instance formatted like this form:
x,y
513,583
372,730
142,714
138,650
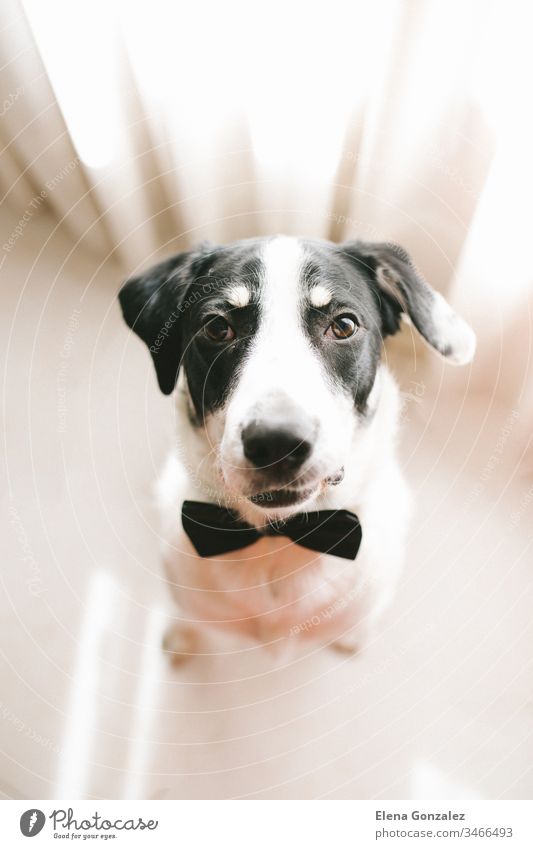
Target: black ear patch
x,y
401,290
152,305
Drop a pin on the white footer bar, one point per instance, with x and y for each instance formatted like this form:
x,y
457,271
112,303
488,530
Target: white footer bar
x,y
269,824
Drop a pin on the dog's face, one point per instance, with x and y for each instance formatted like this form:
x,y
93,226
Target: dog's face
x,y
280,340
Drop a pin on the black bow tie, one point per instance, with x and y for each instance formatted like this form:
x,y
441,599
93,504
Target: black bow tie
x,y
216,530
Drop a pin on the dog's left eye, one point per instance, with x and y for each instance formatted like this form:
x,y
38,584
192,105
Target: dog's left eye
x,y
218,330
342,327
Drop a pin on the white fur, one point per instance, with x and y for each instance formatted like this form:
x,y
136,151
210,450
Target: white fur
x,y
320,296
453,331
238,296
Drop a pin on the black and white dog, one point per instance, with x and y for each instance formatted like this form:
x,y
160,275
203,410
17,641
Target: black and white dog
x,y
286,431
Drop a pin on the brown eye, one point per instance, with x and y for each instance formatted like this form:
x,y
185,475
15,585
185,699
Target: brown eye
x,y
218,330
342,327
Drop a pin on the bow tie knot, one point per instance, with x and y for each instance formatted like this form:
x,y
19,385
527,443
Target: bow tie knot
x,y
217,530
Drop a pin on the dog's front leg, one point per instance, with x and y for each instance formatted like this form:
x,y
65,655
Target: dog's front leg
x,y
385,518
370,601
181,639
356,639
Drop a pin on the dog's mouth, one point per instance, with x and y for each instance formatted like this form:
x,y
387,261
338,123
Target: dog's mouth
x,y
281,497
288,497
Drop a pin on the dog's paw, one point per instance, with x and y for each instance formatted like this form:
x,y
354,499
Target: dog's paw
x,y
353,641
346,646
180,643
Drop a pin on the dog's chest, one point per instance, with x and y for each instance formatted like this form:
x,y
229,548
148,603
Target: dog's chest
x,y
270,587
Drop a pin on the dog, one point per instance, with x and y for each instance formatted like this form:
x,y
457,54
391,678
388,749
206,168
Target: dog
x,y
286,422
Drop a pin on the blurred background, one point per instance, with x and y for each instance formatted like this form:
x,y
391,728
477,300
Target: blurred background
x,y
129,131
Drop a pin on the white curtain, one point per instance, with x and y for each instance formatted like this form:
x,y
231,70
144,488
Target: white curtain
x,y
144,127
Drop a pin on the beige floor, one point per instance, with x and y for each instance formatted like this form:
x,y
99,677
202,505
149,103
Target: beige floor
x,y
441,703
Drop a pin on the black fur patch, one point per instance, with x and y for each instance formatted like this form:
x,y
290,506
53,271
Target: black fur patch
x,y
353,362
169,305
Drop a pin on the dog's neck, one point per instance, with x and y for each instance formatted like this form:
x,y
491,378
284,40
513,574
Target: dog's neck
x,y
372,446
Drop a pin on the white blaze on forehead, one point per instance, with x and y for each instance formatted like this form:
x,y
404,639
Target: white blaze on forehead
x,y
282,364
320,296
238,296
282,261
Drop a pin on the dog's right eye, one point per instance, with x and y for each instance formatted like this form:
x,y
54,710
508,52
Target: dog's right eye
x,y
218,330
342,327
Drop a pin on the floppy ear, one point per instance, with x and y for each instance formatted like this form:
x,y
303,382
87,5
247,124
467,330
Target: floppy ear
x,y
152,305
402,290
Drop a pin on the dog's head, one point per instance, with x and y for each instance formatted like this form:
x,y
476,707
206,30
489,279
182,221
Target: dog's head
x,y
280,340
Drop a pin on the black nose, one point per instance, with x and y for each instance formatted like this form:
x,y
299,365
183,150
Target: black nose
x,y
274,446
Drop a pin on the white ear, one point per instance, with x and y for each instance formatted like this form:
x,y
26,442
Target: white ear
x,y
456,339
